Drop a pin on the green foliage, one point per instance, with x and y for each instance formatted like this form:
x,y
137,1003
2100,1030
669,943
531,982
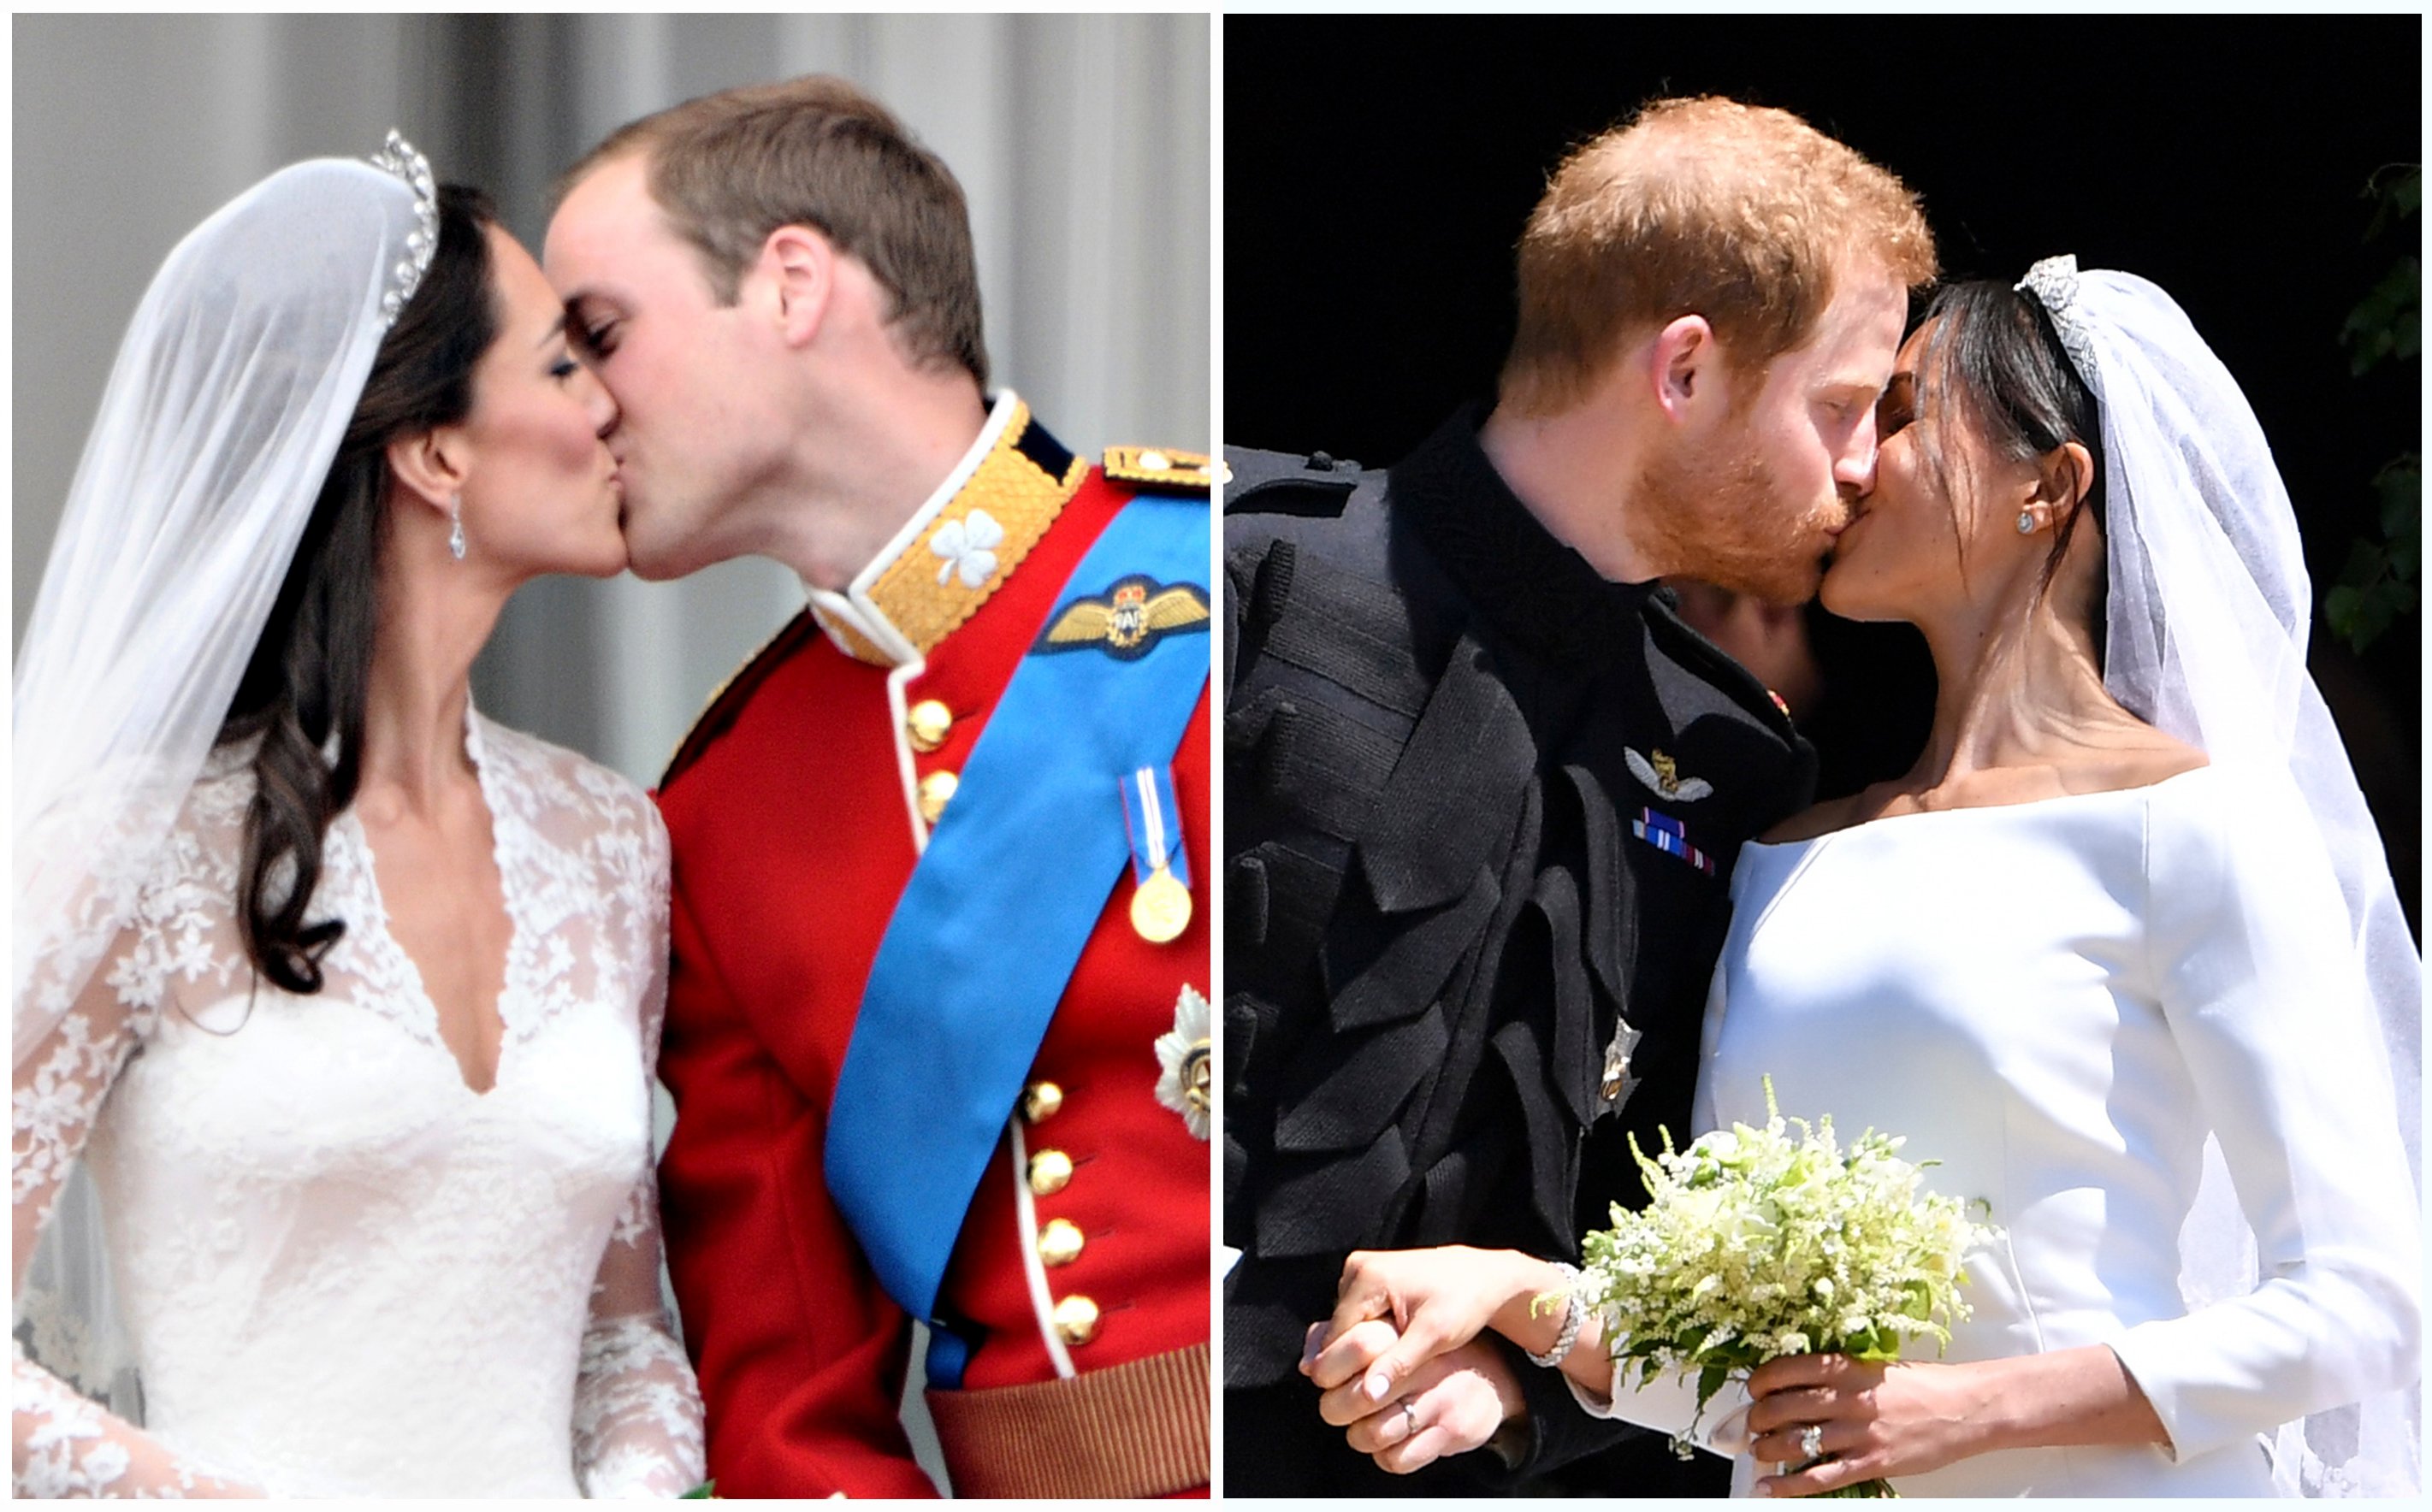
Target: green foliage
x,y
2388,324
2380,581
2381,578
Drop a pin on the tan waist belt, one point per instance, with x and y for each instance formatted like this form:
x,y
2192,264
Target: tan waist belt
x,y
1138,1429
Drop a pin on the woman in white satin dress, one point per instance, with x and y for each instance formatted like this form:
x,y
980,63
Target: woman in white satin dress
x,y
2120,953
345,998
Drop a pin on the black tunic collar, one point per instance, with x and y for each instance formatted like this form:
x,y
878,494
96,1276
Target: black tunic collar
x,y
1534,590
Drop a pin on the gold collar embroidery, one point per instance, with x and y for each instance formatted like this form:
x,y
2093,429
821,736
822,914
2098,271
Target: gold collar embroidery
x,y
956,549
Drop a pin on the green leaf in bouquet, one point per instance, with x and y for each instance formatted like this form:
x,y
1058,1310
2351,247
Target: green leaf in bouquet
x,y
706,1491
1710,1380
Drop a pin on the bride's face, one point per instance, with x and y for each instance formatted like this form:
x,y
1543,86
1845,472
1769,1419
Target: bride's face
x,y
1930,520
541,493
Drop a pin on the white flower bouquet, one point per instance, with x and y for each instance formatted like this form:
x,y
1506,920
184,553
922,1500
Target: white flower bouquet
x,y
1754,1246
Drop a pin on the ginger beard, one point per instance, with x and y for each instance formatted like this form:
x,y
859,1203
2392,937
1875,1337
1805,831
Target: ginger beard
x,y
1718,511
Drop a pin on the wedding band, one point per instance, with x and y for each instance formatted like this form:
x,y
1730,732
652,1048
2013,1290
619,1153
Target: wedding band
x,y
1811,1441
1409,1420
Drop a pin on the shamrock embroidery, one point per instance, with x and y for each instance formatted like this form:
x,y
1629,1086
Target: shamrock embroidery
x,y
968,544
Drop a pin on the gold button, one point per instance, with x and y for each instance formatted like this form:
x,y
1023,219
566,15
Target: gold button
x,y
1050,1171
927,723
1060,1242
1041,1101
936,789
1155,461
1076,1319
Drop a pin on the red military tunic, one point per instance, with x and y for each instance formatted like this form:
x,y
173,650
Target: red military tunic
x,y
797,809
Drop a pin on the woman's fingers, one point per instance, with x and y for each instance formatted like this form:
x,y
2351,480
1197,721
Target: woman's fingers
x,y
1342,1369
1796,1405
1793,1372
1828,1474
1787,1444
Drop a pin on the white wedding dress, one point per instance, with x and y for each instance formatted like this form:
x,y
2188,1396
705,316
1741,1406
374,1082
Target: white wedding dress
x,y
2057,1001
342,1271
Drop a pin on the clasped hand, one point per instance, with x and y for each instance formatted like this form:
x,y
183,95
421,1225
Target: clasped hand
x,y
1400,1365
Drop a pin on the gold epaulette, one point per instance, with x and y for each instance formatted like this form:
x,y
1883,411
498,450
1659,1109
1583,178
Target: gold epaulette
x,y
729,694
1162,469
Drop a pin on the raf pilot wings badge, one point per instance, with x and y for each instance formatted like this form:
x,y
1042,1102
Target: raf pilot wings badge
x,y
1664,776
1134,615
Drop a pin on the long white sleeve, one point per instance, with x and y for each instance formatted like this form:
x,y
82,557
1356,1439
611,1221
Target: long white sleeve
x,y
63,1443
637,1414
1668,1405
2267,1005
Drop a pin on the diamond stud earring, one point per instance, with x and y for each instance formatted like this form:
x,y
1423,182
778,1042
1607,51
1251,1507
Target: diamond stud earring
x,y
2026,524
456,526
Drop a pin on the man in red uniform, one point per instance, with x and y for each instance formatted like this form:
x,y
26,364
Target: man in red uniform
x,y
937,1028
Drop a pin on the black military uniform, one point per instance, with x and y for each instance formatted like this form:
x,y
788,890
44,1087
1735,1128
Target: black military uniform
x,y
1481,808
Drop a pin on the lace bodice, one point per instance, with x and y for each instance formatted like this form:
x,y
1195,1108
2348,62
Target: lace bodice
x,y
342,1271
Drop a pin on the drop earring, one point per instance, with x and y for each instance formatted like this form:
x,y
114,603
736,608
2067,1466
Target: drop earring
x,y
2026,524
456,526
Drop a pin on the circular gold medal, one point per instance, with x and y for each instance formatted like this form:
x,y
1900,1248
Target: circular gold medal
x,y
1160,907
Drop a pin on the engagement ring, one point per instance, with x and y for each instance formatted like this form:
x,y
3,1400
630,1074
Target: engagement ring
x,y
1811,1441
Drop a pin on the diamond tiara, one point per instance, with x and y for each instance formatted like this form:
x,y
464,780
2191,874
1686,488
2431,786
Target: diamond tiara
x,y
399,157
2053,283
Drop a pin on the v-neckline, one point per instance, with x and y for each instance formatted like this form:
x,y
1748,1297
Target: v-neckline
x,y
410,970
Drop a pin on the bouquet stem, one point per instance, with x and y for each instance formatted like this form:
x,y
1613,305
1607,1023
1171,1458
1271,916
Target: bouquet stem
x,y
1877,1486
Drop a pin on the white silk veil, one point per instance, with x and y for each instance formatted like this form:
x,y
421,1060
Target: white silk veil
x,y
231,392
2209,609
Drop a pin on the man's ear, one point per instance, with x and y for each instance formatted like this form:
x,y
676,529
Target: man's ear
x,y
1684,370
432,467
799,266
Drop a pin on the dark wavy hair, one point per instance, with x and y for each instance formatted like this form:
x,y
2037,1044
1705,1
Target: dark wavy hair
x,y
1993,360
309,672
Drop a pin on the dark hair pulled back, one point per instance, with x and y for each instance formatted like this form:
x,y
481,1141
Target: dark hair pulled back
x,y
1995,361
310,670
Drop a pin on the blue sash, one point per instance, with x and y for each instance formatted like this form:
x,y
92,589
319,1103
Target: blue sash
x,y
1014,879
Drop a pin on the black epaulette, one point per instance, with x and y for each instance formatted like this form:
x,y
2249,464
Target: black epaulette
x,y
730,696
1683,642
1282,482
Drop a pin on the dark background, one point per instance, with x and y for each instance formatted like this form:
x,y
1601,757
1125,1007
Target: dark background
x,y
1378,174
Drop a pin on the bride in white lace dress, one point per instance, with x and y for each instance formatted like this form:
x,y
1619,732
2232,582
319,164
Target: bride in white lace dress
x,y
346,998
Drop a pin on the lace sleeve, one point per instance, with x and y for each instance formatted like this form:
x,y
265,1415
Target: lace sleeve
x,y
66,1445
638,1417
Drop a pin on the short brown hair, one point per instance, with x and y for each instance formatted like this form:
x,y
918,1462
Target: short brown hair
x,y
730,168
1739,213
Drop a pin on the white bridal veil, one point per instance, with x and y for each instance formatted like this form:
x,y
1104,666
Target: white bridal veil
x,y
222,416
2209,610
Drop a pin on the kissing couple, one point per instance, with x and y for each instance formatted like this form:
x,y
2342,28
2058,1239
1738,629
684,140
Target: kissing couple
x,y
348,1000
1526,868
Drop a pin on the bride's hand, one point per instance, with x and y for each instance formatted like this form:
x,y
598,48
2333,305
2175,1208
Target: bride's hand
x,y
1436,1301
1906,1420
1875,1420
